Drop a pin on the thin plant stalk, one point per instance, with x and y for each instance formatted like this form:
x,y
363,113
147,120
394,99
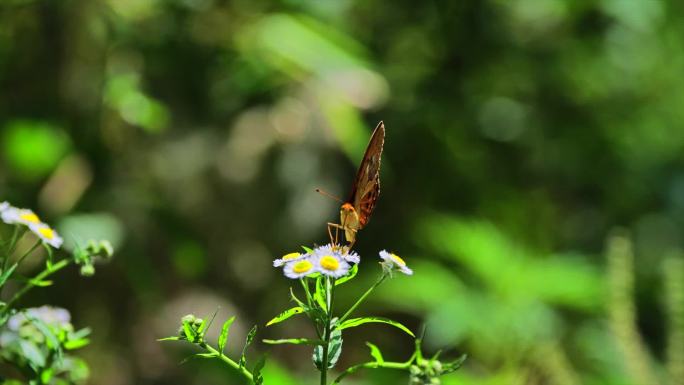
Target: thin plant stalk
x,y
241,369
363,297
42,275
329,292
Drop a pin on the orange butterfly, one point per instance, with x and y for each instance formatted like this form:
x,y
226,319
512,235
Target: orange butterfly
x,y
356,211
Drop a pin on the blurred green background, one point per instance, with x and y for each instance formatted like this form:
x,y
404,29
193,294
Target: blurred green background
x,y
520,135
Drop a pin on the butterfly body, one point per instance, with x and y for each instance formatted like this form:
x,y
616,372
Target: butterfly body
x,y
356,211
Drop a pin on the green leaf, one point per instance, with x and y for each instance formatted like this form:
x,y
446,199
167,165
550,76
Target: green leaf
x,y
375,353
40,283
319,295
334,350
225,331
454,365
307,249
257,377
248,341
46,375
354,322
168,339
206,355
352,273
294,341
76,344
190,334
285,315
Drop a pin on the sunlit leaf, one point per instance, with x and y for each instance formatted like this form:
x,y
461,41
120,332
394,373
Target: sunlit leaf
x,y
285,315
225,331
354,322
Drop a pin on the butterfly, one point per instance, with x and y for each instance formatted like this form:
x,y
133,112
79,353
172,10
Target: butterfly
x,y
356,211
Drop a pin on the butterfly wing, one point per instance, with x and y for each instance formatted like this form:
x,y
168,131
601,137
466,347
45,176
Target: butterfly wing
x,y
366,186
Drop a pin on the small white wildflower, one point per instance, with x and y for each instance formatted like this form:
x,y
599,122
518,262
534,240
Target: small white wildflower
x,y
47,235
291,257
330,261
12,215
351,257
4,206
394,262
299,268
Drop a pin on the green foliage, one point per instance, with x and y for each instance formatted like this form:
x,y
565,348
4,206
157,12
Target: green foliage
x,y
34,148
37,341
354,322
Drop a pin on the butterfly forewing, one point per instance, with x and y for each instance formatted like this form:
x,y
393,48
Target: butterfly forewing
x,y
366,186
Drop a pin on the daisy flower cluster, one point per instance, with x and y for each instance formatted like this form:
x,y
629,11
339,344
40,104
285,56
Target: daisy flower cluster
x,y
329,260
333,261
17,216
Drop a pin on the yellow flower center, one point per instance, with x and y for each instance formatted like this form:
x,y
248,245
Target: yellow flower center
x,y
398,260
302,267
329,262
290,256
46,232
30,217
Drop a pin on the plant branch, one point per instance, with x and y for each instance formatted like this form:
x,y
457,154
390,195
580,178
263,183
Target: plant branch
x,y
241,369
363,297
42,275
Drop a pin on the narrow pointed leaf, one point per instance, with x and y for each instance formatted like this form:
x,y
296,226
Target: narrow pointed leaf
x,y
285,315
354,322
294,341
352,273
248,341
319,295
257,377
168,339
225,331
375,353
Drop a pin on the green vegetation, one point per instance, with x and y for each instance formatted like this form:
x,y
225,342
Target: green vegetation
x,y
533,177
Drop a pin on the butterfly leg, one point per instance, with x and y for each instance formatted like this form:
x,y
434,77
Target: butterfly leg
x,y
333,240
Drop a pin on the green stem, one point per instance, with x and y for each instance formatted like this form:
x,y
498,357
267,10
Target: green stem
x,y
329,293
305,285
12,245
241,369
43,274
375,365
363,297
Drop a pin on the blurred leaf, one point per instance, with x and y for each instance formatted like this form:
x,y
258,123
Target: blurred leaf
x,y
33,148
189,259
78,229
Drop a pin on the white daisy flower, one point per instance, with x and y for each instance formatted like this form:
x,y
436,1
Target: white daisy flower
x,y
300,268
330,262
12,215
394,262
47,235
291,257
351,257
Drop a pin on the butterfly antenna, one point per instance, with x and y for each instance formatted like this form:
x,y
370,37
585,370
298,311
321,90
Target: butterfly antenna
x,y
329,195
